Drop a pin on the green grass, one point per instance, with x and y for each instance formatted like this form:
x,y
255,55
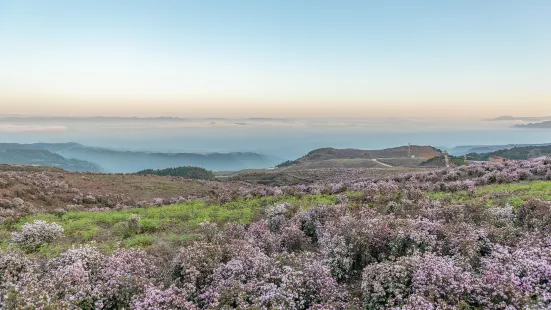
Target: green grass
x,y
142,240
514,194
177,224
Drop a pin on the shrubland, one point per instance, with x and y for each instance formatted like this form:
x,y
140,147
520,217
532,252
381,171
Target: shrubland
x,y
472,237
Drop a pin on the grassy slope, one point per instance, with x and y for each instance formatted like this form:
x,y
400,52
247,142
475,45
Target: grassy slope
x,y
137,187
356,158
177,225
403,162
338,163
292,176
396,152
514,194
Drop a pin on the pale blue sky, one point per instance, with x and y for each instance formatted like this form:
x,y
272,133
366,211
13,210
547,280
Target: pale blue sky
x,y
275,58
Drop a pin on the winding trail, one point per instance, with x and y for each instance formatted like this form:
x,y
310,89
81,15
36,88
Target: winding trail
x,y
386,165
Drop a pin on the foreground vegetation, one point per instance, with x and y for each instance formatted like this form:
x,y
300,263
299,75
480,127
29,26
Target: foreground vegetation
x,y
474,237
175,224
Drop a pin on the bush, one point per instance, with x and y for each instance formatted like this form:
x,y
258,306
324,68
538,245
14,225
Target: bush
x,y
159,299
186,172
125,274
535,215
194,264
131,227
388,283
287,163
33,235
276,216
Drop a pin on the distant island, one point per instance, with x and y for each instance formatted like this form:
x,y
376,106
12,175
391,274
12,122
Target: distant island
x,y
523,118
546,124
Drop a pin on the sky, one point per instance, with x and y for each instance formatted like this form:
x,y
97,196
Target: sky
x,y
285,58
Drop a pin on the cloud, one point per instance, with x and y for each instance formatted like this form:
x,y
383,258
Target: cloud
x,y
30,128
209,124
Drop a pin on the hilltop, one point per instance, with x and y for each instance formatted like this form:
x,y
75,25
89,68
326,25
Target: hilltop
x,y
331,163
354,158
396,152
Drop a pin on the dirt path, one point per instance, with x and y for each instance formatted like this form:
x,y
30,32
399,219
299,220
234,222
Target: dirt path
x,y
386,165
447,161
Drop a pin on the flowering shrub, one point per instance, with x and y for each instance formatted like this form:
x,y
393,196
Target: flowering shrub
x,y
159,299
388,283
259,235
276,216
210,231
33,235
125,274
438,279
193,266
535,215
293,238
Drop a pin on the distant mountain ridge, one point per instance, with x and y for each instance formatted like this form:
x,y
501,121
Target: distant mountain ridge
x,y
132,161
21,154
466,149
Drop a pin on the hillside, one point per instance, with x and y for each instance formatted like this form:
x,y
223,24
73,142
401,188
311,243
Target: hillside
x,y
355,158
46,189
14,154
516,153
397,152
446,239
296,176
131,161
466,149
440,161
